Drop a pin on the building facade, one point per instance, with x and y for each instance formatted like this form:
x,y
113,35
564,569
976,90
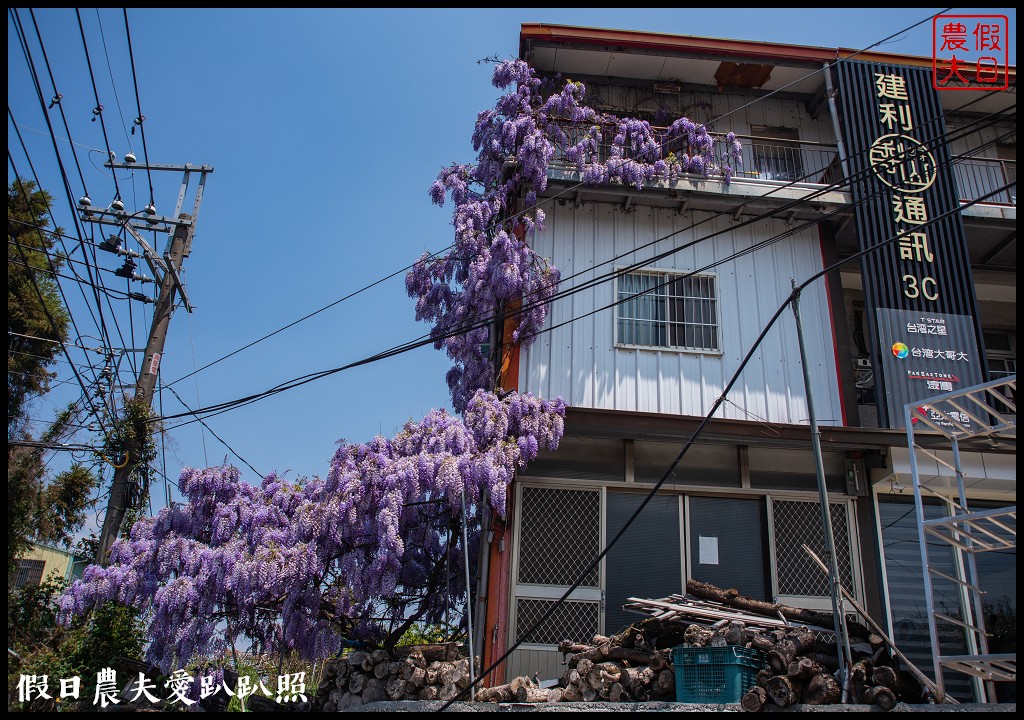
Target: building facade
x,y
648,353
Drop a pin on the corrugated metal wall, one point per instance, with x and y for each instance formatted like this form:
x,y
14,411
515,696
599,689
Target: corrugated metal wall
x,y
580,362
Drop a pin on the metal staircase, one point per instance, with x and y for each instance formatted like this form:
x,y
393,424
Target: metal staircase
x,y
986,411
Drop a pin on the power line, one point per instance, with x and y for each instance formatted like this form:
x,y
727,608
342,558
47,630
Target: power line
x,y
60,162
140,120
222,442
536,205
46,310
98,110
433,338
700,430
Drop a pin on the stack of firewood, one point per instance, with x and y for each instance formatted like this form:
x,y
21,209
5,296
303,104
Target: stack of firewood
x,y
801,668
623,668
425,672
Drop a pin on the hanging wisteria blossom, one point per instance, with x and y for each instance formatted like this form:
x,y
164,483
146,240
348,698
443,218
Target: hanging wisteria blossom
x,y
491,263
297,566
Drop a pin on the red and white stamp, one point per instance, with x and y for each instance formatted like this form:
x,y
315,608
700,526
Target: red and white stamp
x,y
970,52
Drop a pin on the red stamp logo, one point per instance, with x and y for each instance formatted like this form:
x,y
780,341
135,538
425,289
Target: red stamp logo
x,y
970,52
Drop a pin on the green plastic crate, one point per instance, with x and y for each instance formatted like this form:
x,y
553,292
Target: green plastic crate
x,y
715,674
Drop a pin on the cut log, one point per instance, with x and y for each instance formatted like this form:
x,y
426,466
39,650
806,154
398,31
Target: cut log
x,y
589,694
860,673
555,694
804,669
600,639
531,695
732,598
583,666
665,682
396,687
698,635
822,689
762,642
635,656
572,693
444,652
430,692
827,661
356,658
735,632
448,692
754,699
763,676
881,696
885,676
570,676
618,693
639,677
414,675
381,670
373,694
783,691
356,682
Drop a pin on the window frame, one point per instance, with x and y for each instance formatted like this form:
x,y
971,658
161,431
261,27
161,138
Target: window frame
x,y
665,274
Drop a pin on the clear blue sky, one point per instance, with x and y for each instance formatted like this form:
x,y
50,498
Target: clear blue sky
x,y
326,129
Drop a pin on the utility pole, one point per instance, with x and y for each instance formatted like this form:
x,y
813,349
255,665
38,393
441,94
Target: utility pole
x,y
181,227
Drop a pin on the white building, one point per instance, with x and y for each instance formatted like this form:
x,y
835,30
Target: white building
x,y
639,376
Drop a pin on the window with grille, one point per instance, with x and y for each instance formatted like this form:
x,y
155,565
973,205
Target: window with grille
x,y
30,572
559,537
573,620
796,523
668,310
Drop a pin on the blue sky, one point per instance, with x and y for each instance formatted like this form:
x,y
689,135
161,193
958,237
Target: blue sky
x,y
325,129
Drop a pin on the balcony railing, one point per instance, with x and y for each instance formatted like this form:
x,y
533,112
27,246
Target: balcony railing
x,y
784,161
762,158
979,176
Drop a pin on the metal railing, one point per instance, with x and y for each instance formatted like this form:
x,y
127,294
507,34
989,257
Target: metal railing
x,y
761,158
783,161
979,176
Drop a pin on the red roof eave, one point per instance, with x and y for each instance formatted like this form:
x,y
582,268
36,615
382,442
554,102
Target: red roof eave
x,y
774,53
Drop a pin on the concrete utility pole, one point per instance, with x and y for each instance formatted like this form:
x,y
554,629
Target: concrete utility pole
x,y
182,228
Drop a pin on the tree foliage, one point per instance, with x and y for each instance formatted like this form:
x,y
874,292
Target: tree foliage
x,y
45,647
33,340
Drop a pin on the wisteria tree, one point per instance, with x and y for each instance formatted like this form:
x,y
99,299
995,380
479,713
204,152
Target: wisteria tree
x,y
491,264
366,552
376,545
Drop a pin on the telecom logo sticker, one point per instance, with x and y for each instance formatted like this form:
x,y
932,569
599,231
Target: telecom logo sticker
x,y
899,350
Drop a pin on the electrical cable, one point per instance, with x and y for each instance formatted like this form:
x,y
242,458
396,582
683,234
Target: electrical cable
x,y
140,120
222,442
49,316
113,85
98,110
538,204
466,328
60,162
693,438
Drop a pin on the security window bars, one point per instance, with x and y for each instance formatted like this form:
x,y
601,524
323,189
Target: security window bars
x,y
570,620
30,572
668,310
560,536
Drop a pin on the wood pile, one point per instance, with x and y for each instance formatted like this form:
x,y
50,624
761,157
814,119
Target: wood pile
x,y
623,668
421,672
